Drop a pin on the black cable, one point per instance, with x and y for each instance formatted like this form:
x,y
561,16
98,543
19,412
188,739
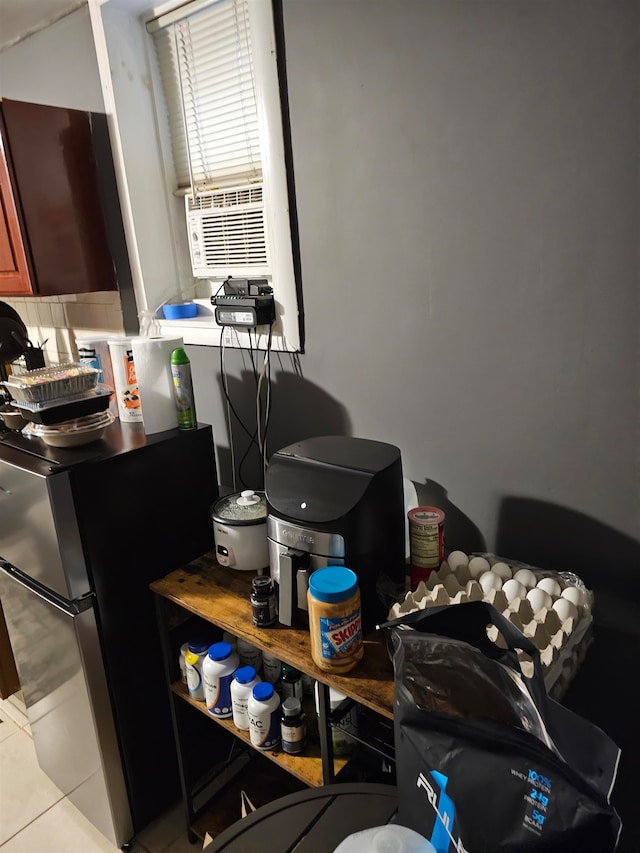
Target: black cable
x,y
268,398
228,399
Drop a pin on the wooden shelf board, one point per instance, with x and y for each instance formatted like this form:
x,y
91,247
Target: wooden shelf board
x,y
221,596
307,768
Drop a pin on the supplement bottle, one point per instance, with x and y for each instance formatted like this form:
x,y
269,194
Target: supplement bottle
x,y
184,648
335,625
271,668
249,655
264,716
244,681
346,726
194,658
217,673
291,682
263,601
293,726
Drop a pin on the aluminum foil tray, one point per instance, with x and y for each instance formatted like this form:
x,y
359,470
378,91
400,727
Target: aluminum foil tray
x,y
52,383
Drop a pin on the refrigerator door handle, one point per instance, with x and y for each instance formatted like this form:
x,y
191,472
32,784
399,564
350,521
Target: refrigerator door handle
x,y
70,608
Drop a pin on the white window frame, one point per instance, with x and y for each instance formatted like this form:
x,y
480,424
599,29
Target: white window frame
x,y
153,214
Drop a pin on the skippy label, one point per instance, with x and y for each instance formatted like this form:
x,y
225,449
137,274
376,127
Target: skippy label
x,y
340,636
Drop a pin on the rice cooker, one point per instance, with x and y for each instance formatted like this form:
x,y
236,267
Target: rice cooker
x,y
240,531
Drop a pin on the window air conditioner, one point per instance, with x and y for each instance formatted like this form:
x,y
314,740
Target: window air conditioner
x,y
227,232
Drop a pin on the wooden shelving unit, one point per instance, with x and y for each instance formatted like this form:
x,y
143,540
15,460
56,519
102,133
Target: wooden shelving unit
x,y
220,596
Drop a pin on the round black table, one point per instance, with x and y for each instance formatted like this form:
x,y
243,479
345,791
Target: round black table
x,y
315,820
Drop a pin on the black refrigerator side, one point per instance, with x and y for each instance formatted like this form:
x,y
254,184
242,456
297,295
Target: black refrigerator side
x,y
142,514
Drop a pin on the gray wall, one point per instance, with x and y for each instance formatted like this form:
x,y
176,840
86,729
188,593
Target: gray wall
x,y
468,197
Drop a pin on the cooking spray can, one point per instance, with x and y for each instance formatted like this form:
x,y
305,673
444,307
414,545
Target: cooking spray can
x,y
426,542
183,389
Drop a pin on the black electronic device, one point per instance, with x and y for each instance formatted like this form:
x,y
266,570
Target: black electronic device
x,y
246,302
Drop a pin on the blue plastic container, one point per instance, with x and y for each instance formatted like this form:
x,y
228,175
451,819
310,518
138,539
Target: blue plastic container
x,y
180,311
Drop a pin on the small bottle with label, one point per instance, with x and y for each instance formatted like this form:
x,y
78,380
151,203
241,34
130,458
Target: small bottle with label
x,y
249,654
244,681
271,668
291,682
264,716
263,601
194,658
218,668
184,648
293,727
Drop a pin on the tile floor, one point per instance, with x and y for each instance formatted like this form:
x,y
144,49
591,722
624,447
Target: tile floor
x,y
36,818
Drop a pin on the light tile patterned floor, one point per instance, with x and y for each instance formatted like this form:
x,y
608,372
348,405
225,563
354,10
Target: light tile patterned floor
x,y
36,818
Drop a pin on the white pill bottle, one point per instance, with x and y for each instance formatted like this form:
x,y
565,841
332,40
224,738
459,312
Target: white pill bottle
x,y
264,716
217,673
245,679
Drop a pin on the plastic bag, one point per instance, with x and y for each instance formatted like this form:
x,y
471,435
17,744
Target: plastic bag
x,y
485,760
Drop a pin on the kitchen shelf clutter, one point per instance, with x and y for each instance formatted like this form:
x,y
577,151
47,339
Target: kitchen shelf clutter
x,y
206,597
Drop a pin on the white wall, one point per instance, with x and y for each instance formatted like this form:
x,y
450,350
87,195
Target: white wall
x,y
56,66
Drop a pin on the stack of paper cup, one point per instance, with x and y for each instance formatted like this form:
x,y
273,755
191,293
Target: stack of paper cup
x,y
95,352
125,379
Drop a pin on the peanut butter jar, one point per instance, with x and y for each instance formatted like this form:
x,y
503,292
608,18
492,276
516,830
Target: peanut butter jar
x,y
335,623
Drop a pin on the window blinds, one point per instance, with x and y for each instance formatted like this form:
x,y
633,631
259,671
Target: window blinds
x,y
207,75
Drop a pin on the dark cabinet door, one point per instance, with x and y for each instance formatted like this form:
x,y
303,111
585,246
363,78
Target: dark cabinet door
x,y
57,191
14,269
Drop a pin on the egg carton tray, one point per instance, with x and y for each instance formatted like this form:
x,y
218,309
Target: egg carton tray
x,y
52,383
557,618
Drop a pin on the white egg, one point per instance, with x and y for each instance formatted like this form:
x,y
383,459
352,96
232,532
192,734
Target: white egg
x,y
574,595
526,578
502,570
565,609
457,560
549,585
478,565
513,590
489,581
538,599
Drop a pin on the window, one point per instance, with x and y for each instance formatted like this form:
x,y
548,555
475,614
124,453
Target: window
x,y
217,65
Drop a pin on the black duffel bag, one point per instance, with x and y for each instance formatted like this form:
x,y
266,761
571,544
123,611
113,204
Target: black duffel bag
x,y
486,762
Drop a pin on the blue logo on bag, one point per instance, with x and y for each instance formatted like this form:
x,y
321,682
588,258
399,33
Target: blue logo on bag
x,y
442,835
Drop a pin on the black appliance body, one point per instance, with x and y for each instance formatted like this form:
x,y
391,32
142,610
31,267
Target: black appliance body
x,y
83,532
335,500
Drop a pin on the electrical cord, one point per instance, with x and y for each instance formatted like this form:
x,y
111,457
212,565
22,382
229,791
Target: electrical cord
x,y
230,406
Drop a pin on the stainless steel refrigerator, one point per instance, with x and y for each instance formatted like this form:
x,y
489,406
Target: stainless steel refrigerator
x,y
83,532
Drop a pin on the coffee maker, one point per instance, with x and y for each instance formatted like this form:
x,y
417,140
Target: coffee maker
x,y
334,500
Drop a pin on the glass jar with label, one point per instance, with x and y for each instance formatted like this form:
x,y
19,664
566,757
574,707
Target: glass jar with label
x,y
263,601
335,625
293,727
291,682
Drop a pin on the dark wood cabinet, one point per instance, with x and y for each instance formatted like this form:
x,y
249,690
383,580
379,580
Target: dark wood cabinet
x,y
53,192
14,269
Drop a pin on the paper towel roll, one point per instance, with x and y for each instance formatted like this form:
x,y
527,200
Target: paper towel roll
x,y
124,377
152,357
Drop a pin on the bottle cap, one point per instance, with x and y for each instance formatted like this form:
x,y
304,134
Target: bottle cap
x,y
245,674
262,584
333,584
291,706
263,691
287,669
220,651
198,647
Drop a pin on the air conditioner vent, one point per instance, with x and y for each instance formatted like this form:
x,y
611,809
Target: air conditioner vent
x,y
227,232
